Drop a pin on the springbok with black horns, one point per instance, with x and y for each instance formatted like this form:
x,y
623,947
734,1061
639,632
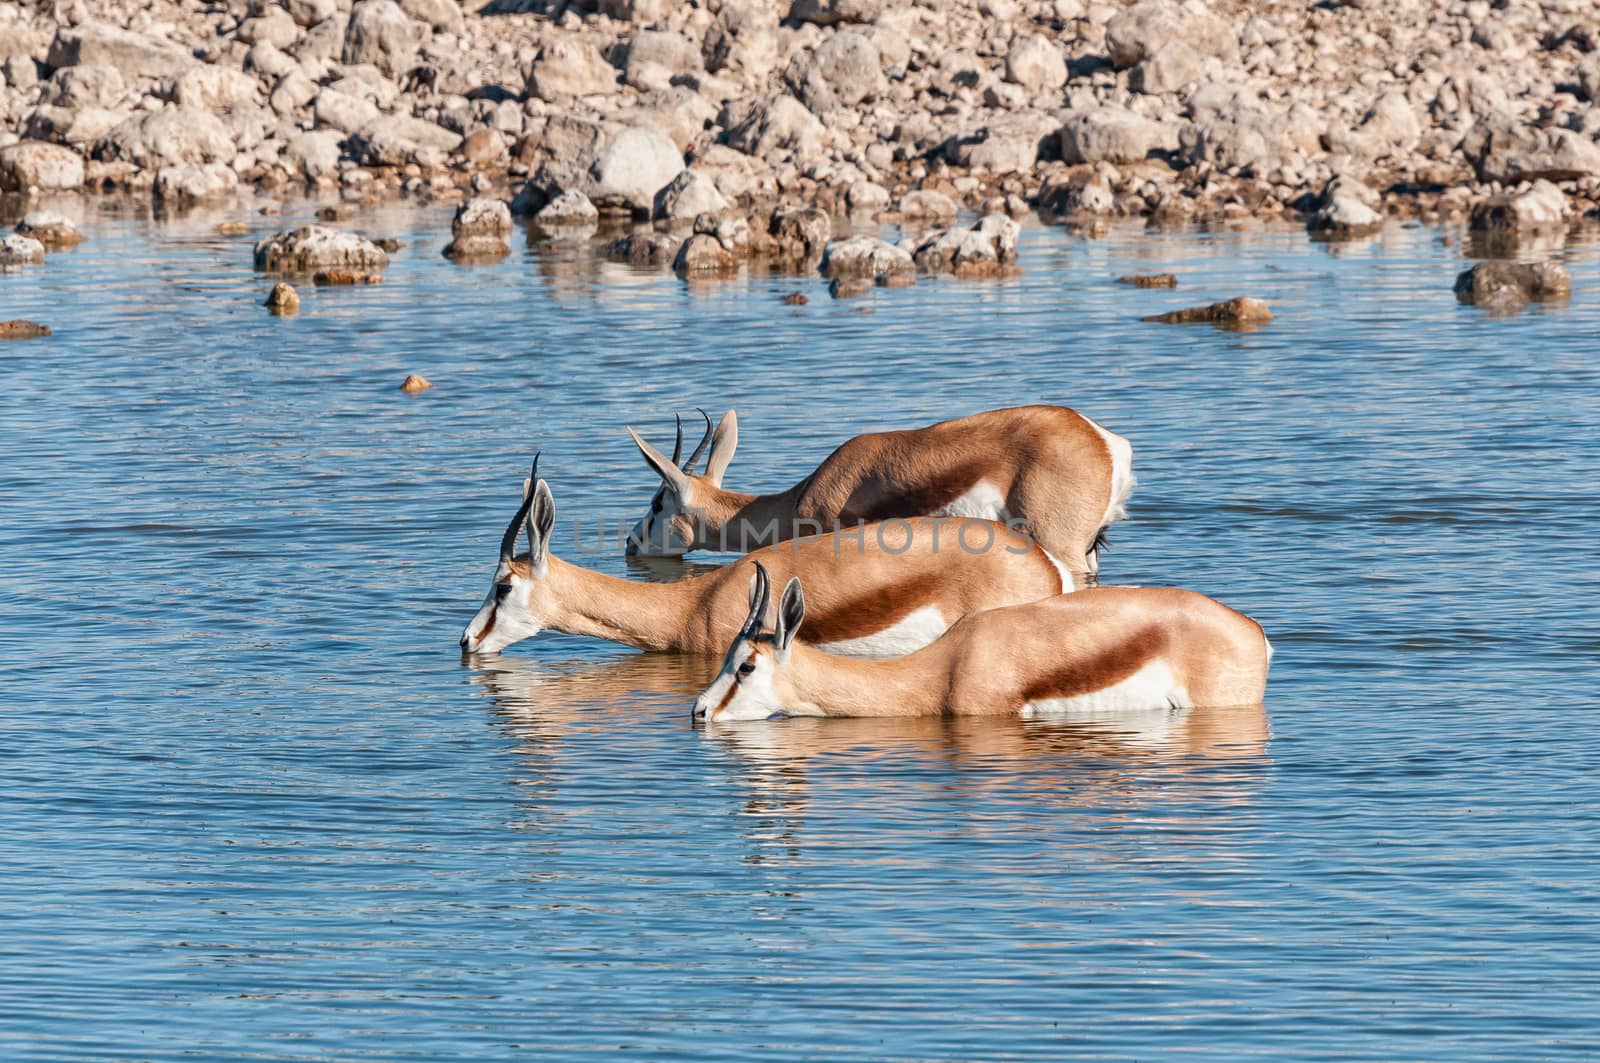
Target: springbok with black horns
x,y
1053,469
1106,649
886,589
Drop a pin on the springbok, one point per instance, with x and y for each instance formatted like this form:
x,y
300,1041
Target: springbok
x,y
886,589
1049,469
1106,649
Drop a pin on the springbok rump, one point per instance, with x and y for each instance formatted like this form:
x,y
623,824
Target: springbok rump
x,y
1101,650
1049,470
883,589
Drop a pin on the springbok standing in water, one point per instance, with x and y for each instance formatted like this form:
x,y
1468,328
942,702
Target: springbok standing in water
x,y
1060,474
1109,649
886,589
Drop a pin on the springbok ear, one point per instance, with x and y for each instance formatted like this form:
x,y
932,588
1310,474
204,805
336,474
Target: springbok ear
x,y
541,519
663,466
723,443
791,610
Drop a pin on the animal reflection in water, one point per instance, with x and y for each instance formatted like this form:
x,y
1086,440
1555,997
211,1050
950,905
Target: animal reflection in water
x,y
550,696
1060,763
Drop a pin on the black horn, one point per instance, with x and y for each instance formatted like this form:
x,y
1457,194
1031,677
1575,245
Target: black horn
x,y
688,466
677,445
508,542
760,598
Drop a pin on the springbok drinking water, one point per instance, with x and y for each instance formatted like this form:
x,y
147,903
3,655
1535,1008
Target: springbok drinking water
x,y
1108,649
885,589
1063,475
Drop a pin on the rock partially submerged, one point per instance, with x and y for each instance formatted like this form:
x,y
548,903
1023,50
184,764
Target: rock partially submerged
x,y
1540,207
51,228
798,236
1235,313
37,165
313,247
1507,286
646,250
195,182
415,382
17,250
18,329
703,255
864,256
1149,280
1346,211
283,299
569,209
480,228
987,249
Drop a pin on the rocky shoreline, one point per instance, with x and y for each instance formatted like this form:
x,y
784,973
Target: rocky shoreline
x,y
740,130
1335,114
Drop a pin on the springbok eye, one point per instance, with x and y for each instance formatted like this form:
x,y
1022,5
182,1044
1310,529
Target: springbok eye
x,y
747,667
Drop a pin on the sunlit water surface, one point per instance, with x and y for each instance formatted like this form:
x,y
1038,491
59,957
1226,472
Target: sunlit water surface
x,y
256,807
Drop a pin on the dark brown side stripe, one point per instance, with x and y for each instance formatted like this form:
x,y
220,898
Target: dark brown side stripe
x,y
920,499
1109,668
866,614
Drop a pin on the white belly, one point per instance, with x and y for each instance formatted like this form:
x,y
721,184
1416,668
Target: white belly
x,y
1151,687
982,500
913,632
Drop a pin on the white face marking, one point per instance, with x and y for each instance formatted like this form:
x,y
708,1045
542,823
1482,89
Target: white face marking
x,y
656,533
1151,687
982,500
912,632
753,695
506,616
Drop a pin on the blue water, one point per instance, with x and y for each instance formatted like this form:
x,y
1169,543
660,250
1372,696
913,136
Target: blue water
x,y
256,807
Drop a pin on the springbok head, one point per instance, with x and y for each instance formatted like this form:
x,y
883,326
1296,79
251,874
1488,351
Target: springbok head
x,y
752,684
674,526
516,605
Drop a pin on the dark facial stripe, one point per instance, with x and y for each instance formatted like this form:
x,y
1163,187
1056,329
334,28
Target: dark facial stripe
x,y
733,688
493,615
